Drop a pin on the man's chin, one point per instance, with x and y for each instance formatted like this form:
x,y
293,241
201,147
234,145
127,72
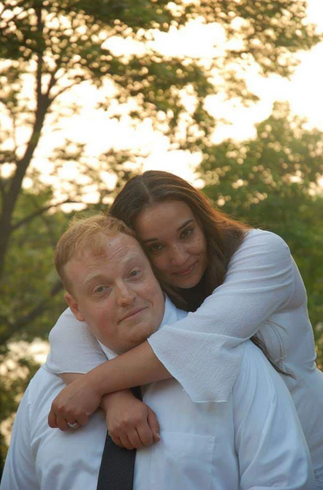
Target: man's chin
x,y
141,335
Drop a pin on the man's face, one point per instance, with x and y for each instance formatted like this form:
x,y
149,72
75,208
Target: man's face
x,y
116,293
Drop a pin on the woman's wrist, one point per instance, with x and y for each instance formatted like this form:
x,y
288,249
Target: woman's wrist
x,y
98,379
109,399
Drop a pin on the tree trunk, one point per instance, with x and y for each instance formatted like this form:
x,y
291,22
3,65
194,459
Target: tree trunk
x,y
10,196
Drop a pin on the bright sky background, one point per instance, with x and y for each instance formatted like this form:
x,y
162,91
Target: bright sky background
x,y
303,91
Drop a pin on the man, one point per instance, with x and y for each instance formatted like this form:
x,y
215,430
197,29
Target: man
x,y
253,441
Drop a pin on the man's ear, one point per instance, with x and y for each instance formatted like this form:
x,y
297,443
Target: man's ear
x,y
73,304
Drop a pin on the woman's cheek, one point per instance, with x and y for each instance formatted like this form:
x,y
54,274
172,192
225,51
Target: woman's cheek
x,y
160,263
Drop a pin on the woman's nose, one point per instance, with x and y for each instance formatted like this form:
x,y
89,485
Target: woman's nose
x,y
178,255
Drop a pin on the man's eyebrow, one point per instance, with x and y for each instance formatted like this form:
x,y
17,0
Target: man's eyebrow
x,y
178,229
94,277
134,258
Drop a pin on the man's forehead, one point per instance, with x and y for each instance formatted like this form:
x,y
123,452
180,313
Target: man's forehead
x,y
124,248
104,246
119,249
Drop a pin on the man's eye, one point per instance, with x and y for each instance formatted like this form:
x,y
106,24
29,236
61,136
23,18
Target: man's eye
x,y
135,273
100,289
187,232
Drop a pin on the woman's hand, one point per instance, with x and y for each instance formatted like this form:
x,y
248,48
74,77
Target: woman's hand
x,y
131,423
74,404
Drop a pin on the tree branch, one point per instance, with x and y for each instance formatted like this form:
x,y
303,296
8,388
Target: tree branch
x,y
16,326
14,133
40,28
51,82
39,212
53,79
60,92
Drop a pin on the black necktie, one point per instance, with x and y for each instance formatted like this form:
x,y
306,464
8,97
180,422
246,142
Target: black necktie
x,y
117,464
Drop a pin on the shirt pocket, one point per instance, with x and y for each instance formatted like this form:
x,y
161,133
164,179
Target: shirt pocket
x,y
181,461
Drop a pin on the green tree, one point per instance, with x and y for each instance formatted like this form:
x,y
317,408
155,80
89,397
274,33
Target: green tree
x,y
273,182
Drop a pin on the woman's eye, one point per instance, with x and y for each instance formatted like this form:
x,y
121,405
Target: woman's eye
x,y
187,232
156,247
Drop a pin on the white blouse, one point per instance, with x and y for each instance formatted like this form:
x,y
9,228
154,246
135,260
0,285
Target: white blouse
x,y
262,293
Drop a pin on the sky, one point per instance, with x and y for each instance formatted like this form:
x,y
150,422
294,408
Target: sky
x,y
303,92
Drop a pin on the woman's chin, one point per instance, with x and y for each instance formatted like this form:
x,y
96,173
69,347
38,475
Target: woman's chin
x,y
186,282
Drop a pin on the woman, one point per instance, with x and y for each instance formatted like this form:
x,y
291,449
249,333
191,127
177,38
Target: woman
x,y
243,282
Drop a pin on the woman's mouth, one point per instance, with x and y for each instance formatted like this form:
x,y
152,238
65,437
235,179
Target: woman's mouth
x,y
185,272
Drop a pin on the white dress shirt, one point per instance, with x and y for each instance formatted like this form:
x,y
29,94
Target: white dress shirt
x,y
263,293
252,441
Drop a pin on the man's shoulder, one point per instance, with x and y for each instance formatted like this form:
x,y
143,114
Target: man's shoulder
x,y
43,385
256,373
172,313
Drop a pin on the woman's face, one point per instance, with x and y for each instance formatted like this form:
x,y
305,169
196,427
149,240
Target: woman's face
x,y
174,241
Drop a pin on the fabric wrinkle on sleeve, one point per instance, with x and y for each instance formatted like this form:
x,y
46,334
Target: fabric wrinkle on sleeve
x,y
73,349
203,351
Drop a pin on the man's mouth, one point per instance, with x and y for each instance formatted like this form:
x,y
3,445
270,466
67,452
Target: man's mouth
x,y
132,314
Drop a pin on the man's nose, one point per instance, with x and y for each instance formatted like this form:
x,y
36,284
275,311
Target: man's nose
x,y
178,255
125,295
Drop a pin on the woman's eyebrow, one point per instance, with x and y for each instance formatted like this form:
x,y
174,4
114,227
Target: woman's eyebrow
x,y
185,224
150,240
178,229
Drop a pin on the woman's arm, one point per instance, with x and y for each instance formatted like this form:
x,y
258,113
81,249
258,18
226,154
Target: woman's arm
x,y
83,396
131,423
73,349
203,351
